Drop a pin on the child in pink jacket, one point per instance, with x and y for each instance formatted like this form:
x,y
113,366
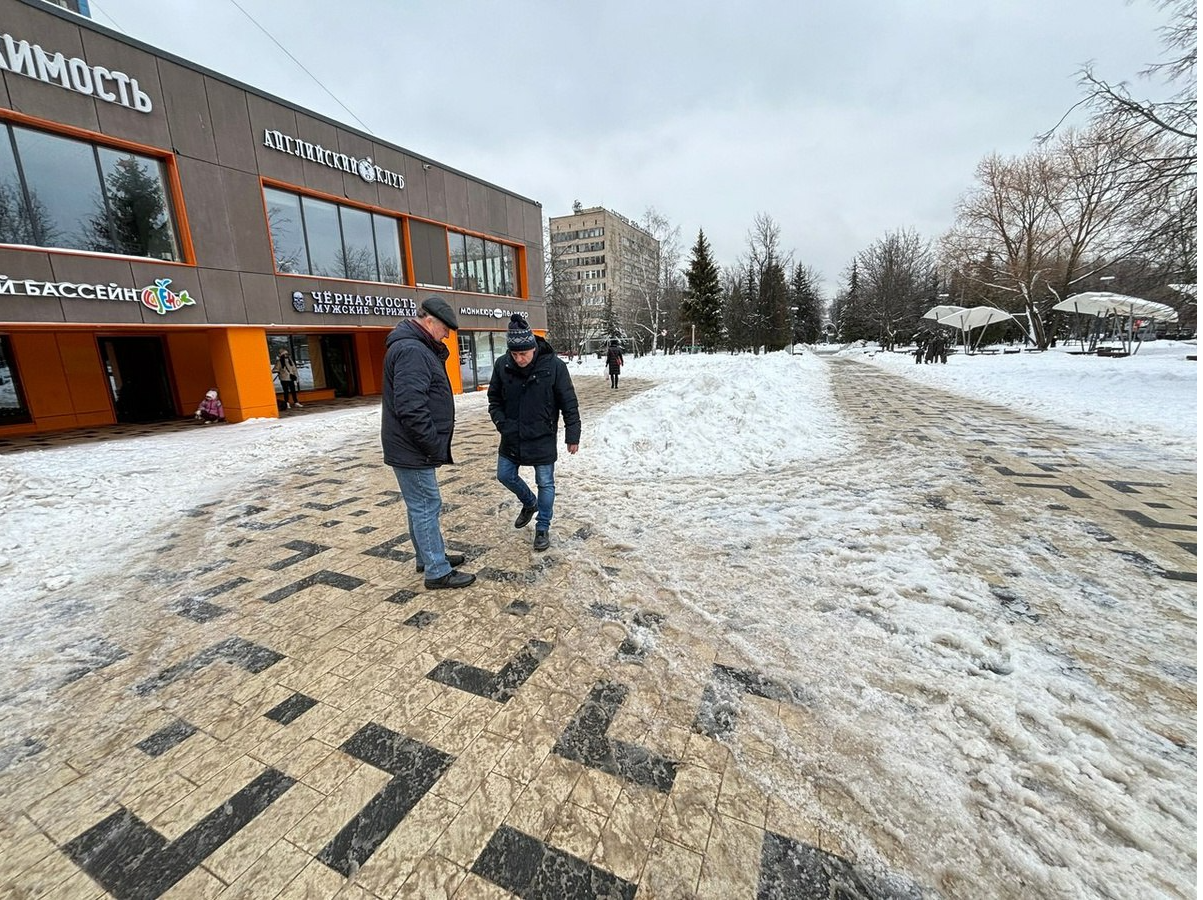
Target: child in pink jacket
x,y
210,409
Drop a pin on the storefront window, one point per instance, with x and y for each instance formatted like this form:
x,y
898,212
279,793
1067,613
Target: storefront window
x,y
288,236
429,247
388,249
298,347
323,238
316,237
15,227
478,354
12,399
359,247
481,266
80,196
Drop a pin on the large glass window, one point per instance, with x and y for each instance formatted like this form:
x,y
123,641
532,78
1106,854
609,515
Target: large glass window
x,y
478,354
73,194
323,237
481,266
12,398
428,244
287,231
359,247
317,237
388,249
15,225
297,346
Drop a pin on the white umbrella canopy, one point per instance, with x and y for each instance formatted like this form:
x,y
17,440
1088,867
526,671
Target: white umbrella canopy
x,y
977,317
937,311
1105,303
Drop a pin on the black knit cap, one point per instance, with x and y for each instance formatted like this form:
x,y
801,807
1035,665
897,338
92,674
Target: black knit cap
x,y
441,310
519,336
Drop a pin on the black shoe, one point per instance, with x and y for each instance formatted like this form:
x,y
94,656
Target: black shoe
x,y
453,560
542,541
452,579
525,516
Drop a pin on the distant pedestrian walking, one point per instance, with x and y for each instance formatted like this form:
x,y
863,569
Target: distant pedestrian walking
x,y
210,409
290,378
614,362
528,394
417,421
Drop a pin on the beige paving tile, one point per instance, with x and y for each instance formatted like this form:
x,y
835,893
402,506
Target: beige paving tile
x,y
576,830
206,797
54,874
73,809
199,884
433,878
740,798
272,873
242,850
473,887
729,869
316,881
395,859
316,829
470,831
671,873
596,791
626,838
691,807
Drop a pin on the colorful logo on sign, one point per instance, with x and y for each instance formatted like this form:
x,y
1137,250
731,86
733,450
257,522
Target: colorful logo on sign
x,y
162,300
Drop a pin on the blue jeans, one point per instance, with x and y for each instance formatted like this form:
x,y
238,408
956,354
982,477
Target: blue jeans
x,y
545,481
423,503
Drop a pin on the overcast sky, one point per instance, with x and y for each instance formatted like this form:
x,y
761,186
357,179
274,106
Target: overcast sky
x,y
842,120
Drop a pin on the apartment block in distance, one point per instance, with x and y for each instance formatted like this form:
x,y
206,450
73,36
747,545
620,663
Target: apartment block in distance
x,y
603,254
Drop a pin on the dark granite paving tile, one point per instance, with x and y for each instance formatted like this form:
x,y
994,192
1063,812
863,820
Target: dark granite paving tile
x,y
245,511
291,709
201,509
1152,505
610,611
367,529
1147,522
1190,547
720,698
326,577
234,650
326,507
132,861
791,870
304,550
93,654
359,513
391,497
309,484
1130,487
421,619
1011,473
583,533
330,524
499,686
1068,489
401,596
238,542
415,768
166,738
533,870
1013,603
518,608
388,550
584,740
18,750
1192,577
199,609
641,638
504,576
272,526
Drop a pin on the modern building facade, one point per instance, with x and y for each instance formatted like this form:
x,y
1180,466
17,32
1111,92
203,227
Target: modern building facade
x,y
603,255
165,230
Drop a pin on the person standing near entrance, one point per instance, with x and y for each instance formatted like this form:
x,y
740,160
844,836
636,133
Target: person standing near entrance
x,y
286,371
614,362
529,391
416,424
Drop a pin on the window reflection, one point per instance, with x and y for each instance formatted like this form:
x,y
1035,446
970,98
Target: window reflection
x,y
388,249
80,196
481,266
359,247
288,237
458,254
323,238
12,398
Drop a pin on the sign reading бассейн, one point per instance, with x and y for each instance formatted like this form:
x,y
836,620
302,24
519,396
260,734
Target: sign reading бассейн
x,y
364,168
74,74
158,297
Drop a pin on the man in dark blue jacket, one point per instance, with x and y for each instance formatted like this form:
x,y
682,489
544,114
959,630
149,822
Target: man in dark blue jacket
x,y
529,391
416,424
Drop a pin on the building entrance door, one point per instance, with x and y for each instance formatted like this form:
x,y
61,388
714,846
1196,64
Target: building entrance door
x,y
137,374
338,360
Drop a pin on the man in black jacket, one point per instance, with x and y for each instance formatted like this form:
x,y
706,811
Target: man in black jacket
x,y
529,391
416,424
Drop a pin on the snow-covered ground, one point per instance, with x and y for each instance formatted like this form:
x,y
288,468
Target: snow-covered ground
x,y
963,742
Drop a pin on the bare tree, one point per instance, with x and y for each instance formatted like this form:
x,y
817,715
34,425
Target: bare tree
x,y
895,278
